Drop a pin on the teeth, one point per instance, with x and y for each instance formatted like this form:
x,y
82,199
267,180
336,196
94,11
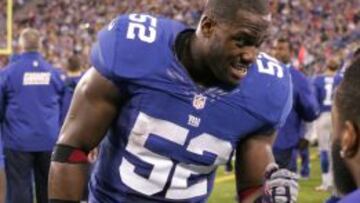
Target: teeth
x,y
243,71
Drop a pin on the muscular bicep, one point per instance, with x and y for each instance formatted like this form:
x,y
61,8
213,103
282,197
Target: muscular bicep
x,y
94,106
252,157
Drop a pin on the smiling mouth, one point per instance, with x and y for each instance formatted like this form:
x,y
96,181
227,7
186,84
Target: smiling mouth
x,y
239,70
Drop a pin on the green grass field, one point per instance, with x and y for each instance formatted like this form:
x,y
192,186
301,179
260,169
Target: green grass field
x,y
224,190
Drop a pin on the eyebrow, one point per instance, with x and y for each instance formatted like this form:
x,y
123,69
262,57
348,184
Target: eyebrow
x,y
255,34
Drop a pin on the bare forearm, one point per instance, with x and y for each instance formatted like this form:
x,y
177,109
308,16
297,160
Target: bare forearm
x,y
67,181
252,158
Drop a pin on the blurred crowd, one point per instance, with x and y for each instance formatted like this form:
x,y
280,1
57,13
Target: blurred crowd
x,y
318,29
2,24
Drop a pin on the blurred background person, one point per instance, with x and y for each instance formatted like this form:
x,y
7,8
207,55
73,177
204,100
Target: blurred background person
x,y
73,74
305,108
31,93
324,86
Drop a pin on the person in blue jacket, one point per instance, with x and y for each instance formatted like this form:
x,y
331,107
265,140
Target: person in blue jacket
x,y
30,100
345,147
305,108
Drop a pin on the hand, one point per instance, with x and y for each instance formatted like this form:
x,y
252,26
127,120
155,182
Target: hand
x,y
303,144
281,185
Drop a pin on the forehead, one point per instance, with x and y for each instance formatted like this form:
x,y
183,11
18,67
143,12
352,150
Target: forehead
x,y
250,22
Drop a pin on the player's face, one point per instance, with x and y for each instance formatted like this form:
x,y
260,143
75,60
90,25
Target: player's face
x,y
343,178
282,52
233,46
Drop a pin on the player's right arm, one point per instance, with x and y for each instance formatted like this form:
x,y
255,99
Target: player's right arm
x,y
94,106
258,178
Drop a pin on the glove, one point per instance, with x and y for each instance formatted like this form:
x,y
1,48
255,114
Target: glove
x,y
281,185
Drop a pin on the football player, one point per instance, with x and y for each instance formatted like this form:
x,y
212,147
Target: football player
x,y
176,103
305,108
324,86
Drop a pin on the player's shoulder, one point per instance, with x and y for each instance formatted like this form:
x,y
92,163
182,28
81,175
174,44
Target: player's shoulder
x,y
132,45
270,72
268,89
351,198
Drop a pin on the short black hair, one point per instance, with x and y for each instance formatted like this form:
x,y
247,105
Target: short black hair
x,y
74,63
348,94
227,9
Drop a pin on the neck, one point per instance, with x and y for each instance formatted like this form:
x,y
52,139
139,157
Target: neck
x,y
329,72
286,61
191,56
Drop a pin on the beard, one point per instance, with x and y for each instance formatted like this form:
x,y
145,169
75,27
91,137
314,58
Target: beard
x,y
343,180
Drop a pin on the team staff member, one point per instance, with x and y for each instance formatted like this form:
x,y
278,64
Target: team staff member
x,y
305,108
31,92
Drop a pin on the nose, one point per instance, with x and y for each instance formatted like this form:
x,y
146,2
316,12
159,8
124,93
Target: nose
x,y
249,55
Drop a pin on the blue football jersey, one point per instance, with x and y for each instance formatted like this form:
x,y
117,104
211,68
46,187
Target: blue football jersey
x,y
324,89
170,134
351,198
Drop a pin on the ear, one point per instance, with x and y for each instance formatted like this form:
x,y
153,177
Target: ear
x,y
207,26
350,140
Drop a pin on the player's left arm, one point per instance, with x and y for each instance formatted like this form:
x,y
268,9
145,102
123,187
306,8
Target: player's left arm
x,y
257,177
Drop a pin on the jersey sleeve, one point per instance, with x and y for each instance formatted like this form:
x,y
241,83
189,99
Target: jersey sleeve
x,y
269,92
103,51
133,46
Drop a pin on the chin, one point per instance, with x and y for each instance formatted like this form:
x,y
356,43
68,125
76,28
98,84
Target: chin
x,y
231,84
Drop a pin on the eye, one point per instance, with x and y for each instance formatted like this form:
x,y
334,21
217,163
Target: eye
x,y
247,41
240,42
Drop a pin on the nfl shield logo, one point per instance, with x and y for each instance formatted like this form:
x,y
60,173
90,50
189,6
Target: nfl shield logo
x,y
199,101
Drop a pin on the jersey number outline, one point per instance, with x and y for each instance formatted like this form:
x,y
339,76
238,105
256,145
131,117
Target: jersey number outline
x,y
162,165
328,91
272,65
137,28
